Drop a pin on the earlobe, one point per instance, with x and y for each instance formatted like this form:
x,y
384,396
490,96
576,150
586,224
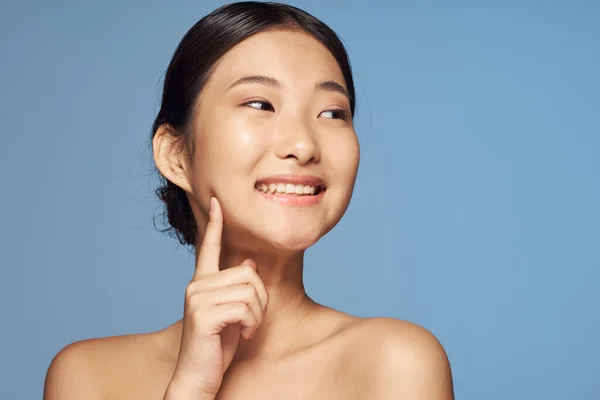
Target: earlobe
x,y
169,157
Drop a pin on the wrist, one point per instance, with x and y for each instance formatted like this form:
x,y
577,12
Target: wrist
x,y
184,389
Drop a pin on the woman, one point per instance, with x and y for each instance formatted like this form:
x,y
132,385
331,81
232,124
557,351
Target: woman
x,y
256,143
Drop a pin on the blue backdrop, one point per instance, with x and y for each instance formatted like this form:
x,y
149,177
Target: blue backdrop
x,y
476,212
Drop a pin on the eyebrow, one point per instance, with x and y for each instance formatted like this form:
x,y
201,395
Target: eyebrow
x,y
333,86
258,79
269,81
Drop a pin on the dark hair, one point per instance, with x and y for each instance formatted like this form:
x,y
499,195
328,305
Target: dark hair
x,y
190,68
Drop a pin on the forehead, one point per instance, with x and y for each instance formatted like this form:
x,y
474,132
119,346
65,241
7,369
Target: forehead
x,y
294,57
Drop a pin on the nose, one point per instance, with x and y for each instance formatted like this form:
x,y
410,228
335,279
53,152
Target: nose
x,y
297,140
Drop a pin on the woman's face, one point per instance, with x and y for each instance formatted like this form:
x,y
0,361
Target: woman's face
x,y
274,117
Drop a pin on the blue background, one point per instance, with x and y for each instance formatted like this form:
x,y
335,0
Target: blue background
x,y
476,211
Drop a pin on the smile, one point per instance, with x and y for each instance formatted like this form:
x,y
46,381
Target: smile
x,y
292,190
289,189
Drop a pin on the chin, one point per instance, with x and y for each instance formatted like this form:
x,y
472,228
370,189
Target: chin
x,y
291,245
278,238
290,240
280,229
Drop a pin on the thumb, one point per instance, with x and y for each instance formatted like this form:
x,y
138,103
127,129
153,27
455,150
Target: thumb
x,y
248,262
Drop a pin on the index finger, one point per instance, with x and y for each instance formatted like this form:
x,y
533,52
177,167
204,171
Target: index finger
x,y
210,249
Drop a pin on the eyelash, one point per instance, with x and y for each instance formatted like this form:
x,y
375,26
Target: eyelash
x,y
260,102
342,114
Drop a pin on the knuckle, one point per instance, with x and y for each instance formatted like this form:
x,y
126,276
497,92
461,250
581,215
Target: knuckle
x,y
249,313
242,308
189,292
237,307
249,292
195,302
192,288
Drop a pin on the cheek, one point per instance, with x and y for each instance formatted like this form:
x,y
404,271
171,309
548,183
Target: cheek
x,y
227,152
227,140
239,134
345,154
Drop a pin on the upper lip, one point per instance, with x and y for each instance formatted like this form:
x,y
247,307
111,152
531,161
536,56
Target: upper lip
x,y
309,180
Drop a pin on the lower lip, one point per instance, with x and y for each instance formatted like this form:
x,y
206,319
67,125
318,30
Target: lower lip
x,y
293,201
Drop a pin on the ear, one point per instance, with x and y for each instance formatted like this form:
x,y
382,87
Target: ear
x,y
170,157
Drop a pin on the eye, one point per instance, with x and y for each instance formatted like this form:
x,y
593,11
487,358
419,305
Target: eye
x,y
260,105
336,114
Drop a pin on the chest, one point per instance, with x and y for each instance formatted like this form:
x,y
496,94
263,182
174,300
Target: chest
x,y
291,381
331,371
294,381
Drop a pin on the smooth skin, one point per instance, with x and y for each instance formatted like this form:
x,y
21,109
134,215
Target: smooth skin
x,y
249,330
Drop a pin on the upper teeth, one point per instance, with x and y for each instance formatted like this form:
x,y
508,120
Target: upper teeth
x,y
286,188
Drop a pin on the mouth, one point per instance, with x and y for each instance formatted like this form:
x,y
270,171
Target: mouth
x,y
290,189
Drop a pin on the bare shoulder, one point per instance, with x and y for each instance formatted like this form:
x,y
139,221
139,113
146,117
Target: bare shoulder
x,y
393,334
404,360
94,368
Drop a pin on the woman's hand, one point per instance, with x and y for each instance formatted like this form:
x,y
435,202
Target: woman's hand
x,y
219,307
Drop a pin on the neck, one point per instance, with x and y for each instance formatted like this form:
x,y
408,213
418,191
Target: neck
x,y
288,306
